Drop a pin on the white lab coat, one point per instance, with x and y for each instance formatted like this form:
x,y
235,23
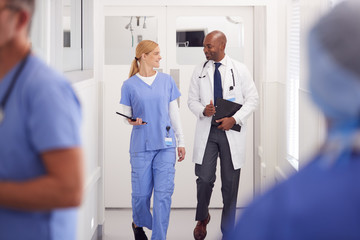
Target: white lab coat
x,y
201,91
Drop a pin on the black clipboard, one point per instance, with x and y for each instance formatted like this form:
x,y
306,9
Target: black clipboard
x,y
225,108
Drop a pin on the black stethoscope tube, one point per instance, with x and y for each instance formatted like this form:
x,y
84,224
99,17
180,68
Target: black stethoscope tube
x,y
232,73
11,86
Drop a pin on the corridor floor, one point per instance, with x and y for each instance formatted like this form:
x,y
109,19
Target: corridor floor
x,y
118,225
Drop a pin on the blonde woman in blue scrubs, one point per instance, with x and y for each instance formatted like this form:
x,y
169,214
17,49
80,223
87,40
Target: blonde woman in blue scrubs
x,y
150,96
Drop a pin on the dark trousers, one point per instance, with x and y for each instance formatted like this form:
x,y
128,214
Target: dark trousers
x,y
217,146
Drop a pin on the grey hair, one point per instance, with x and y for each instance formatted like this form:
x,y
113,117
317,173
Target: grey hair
x,y
339,33
28,5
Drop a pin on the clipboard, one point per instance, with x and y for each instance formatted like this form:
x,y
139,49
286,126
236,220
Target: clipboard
x,y
225,108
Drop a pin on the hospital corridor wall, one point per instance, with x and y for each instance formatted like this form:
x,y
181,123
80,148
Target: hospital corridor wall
x,y
164,23
98,81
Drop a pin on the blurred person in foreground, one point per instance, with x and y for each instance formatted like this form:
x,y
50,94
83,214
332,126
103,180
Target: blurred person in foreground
x,y
41,177
321,201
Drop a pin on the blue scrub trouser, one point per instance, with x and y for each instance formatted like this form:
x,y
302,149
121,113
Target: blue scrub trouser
x,y
153,170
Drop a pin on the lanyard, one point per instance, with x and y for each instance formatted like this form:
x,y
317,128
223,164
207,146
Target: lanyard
x,y
11,86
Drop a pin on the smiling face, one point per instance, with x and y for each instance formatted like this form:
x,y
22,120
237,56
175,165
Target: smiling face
x,y
153,58
214,46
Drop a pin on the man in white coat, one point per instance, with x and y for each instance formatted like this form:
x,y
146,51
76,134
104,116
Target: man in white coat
x,y
219,77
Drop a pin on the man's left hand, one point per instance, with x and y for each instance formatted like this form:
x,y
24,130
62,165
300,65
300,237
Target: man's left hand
x,y
226,123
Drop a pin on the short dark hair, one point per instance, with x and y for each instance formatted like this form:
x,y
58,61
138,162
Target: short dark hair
x,y
28,5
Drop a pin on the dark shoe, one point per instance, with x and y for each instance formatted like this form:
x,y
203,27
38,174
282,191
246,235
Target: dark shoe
x,y
139,232
200,229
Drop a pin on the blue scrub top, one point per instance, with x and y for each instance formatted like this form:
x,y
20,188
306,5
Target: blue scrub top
x,y
318,203
151,104
42,114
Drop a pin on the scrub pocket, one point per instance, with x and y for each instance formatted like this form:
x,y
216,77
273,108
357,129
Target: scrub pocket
x,y
140,175
164,170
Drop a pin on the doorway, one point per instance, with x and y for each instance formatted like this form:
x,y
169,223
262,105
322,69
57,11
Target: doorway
x,y
167,26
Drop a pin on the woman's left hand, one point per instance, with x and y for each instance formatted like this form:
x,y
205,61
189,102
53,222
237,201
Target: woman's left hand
x,y
181,153
137,122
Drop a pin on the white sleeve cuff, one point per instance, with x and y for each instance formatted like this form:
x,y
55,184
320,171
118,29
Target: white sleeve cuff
x,y
126,111
176,123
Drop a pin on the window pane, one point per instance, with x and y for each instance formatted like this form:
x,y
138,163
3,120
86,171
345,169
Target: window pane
x,y
293,85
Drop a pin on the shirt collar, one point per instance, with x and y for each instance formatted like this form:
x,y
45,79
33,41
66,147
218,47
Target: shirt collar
x,y
223,61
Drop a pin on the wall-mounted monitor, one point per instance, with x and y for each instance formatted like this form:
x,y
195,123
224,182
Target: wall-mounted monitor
x,y
190,38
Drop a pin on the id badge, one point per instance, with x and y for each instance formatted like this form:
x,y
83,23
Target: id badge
x,y
168,141
231,96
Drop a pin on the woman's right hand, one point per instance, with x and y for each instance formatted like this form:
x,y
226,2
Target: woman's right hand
x,y
137,122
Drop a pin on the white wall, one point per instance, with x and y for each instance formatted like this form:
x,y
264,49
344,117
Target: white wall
x,y
311,121
267,149
87,92
120,44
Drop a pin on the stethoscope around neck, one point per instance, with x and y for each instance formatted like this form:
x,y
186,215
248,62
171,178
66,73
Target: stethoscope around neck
x,y
11,86
232,73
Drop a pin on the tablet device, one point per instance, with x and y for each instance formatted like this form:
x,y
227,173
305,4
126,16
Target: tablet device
x,y
132,119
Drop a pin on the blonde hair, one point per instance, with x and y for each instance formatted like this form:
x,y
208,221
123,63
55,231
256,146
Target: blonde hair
x,y
145,46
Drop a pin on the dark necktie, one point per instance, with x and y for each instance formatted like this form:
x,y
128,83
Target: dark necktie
x,y
217,83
